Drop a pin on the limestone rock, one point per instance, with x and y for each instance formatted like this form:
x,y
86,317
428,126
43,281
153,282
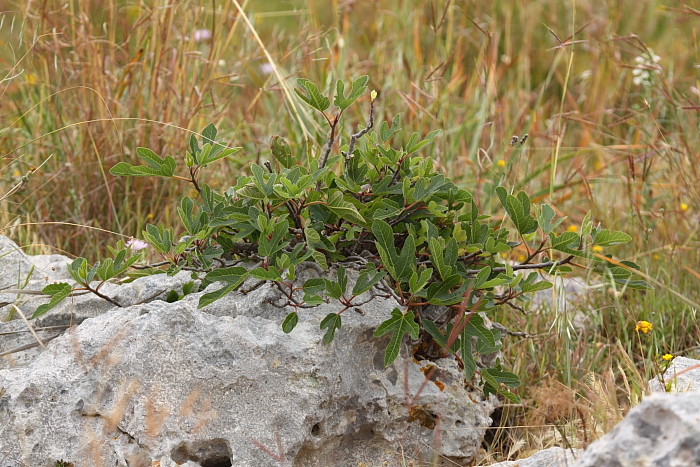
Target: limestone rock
x,y
171,383
552,457
662,431
682,375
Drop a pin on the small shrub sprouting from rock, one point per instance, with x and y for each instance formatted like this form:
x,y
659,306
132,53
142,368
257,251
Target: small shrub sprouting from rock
x,y
410,232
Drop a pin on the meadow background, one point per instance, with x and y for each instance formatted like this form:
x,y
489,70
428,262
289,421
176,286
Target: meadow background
x,y
607,91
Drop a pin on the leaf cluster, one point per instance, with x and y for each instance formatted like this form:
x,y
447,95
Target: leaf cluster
x,y
377,207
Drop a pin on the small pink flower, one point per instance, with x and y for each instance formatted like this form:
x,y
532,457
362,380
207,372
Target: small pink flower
x,y
266,68
135,244
201,35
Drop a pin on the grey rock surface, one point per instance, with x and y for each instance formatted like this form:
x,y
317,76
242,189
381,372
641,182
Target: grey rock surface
x,y
551,457
682,375
663,431
14,264
168,383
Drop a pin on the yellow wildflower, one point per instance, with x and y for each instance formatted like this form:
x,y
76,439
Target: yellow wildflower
x,y
668,357
501,163
572,228
598,248
684,207
644,326
521,258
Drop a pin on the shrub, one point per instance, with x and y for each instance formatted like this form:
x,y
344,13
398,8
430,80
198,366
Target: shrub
x,y
412,233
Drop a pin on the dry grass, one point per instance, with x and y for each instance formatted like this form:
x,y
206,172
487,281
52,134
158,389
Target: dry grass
x,y
86,82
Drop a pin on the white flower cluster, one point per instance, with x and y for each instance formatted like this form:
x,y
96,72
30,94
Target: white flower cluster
x,y
647,65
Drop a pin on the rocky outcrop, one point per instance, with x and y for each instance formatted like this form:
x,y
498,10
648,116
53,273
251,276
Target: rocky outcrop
x,y
551,457
168,384
682,375
661,431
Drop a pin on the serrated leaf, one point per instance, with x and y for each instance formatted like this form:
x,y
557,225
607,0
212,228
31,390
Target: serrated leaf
x,y
358,87
58,293
290,322
331,322
164,167
311,95
399,324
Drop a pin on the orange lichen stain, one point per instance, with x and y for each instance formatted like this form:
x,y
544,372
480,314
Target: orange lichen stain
x,y
440,385
420,414
427,369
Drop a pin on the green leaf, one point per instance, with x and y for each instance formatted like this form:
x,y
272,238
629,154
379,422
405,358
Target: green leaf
x,y
440,293
290,322
399,324
216,152
269,247
311,95
159,237
425,188
282,151
565,242
432,329
368,278
344,209
156,166
400,267
332,321
465,350
232,275
189,220
209,134
414,145
518,208
314,285
261,274
608,238
416,282
358,87
320,259
545,216
475,328
211,297
386,132
58,293
259,175
437,252
78,269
